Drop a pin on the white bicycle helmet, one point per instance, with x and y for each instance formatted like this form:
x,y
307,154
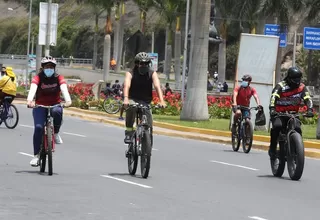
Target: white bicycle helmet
x,y
48,59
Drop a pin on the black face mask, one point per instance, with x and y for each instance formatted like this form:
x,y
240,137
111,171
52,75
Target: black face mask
x,y
3,72
143,70
294,83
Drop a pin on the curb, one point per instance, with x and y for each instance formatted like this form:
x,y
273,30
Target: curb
x,y
311,154
260,138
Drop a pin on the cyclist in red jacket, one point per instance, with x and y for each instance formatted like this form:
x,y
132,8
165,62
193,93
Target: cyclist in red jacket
x,y
241,97
46,88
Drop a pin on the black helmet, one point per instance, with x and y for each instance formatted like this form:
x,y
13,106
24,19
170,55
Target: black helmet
x,y
142,57
293,77
247,77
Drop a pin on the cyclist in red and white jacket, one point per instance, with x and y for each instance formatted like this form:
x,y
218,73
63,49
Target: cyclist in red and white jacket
x,y
46,88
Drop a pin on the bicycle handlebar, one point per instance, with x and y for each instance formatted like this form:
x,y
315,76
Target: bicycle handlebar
x,y
249,108
143,106
48,106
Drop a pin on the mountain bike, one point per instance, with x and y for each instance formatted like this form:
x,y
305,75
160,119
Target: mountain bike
x,y
290,148
48,143
141,142
7,110
243,131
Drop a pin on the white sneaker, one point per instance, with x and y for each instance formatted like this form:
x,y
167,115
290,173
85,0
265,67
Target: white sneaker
x,y
35,161
57,139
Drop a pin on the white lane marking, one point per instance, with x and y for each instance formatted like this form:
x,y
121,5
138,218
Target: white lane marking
x,y
74,134
126,181
257,218
27,126
234,165
29,155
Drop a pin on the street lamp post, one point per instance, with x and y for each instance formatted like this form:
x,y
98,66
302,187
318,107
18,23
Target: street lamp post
x,y
28,47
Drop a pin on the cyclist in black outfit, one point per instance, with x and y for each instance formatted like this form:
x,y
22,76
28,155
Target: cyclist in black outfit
x,y
138,89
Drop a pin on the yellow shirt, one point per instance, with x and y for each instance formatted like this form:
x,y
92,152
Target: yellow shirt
x,y
8,86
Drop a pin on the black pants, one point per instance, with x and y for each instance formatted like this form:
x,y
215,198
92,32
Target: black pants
x,y
277,124
131,116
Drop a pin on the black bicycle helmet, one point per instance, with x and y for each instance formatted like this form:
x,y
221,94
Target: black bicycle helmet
x,y
293,77
142,57
247,77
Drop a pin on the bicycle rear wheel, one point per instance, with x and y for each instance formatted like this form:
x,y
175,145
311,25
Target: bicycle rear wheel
x,y
145,158
247,136
11,111
50,140
295,162
133,156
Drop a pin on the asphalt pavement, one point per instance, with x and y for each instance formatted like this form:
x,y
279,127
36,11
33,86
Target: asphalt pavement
x,y
188,179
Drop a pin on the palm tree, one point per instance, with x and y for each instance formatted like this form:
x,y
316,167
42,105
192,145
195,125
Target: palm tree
x,y
227,10
195,106
171,11
106,5
144,6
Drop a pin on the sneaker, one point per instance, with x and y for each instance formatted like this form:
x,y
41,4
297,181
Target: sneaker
x,y
121,118
35,161
128,137
57,139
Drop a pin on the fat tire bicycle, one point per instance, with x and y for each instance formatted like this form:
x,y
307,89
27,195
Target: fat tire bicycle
x,y
243,131
290,148
48,142
6,112
141,142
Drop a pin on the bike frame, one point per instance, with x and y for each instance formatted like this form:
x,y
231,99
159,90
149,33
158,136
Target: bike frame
x,y
48,125
289,129
5,109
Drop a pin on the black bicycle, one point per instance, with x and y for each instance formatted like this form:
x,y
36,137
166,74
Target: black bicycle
x,y
243,132
290,148
141,142
7,112
48,142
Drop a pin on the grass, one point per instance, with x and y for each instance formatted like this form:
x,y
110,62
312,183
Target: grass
x,y
309,131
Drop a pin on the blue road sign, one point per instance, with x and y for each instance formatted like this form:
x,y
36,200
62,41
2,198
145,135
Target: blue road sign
x,y
311,38
274,29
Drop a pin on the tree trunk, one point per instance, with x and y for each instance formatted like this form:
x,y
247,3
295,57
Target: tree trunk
x,y
222,54
196,105
168,61
116,26
120,46
165,63
177,61
95,42
106,57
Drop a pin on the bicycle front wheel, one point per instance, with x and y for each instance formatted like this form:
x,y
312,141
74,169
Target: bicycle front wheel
x,y
235,137
43,156
12,117
50,140
145,158
295,161
133,156
247,136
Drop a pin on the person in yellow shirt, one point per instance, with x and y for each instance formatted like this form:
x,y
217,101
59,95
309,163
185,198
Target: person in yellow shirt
x,y
8,86
113,64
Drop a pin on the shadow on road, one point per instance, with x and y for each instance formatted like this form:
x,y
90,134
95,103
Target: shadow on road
x,y
138,176
35,171
273,177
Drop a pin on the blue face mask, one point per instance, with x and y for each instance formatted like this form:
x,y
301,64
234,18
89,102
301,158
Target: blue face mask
x,y
244,84
48,72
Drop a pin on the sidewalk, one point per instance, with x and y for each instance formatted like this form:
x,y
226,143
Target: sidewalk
x,y
102,117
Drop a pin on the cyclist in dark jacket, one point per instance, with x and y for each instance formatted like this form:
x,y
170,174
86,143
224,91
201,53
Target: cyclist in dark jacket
x,y
286,97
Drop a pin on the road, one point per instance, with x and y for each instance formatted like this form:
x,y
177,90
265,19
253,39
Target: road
x,y
188,180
